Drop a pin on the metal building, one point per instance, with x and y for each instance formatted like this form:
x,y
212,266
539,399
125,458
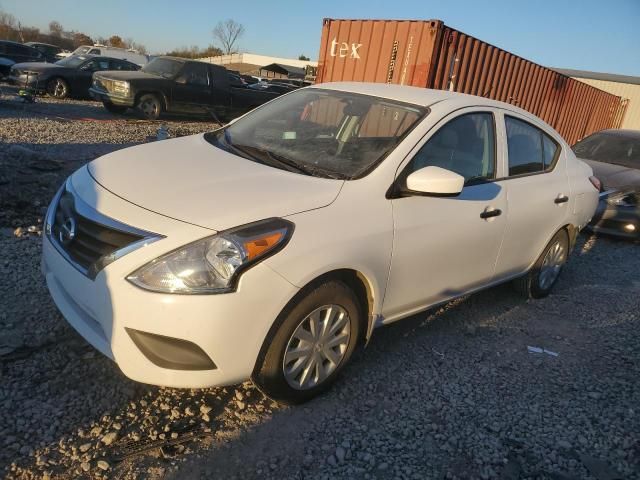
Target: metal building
x,y
625,86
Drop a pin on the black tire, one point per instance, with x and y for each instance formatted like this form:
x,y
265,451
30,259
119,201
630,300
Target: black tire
x,y
532,285
111,108
269,373
58,88
149,106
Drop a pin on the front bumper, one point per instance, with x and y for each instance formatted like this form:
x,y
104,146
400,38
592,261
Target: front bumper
x,y
229,328
32,82
104,96
623,222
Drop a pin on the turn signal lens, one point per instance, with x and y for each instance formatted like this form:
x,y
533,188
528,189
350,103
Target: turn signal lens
x,y
259,246
596,183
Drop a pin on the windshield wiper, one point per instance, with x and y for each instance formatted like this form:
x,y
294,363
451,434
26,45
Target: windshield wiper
x,y
303,168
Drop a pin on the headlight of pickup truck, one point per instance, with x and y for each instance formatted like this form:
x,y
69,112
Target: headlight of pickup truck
x,y
213,264
121,87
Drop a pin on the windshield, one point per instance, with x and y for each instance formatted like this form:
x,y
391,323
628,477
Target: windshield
x,y
72,61
164,67
610,148
81,50
321,132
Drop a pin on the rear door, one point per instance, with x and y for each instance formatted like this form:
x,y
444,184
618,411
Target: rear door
x,y
538,192
192,87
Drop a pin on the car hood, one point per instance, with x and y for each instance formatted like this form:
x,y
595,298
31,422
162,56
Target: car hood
x,y
614,176
130,75
189,179
38,67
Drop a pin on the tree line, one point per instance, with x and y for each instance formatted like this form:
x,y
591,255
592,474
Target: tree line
x,y
12,29
226,33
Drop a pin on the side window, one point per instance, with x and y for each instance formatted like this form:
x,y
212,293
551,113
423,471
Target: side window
x,y
94,51
119,65
465,145
103,64
530,149
194,74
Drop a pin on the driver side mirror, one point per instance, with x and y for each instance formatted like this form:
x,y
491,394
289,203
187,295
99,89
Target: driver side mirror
x,y
435,181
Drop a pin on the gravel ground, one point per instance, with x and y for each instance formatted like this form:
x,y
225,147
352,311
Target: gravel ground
x,y
452,393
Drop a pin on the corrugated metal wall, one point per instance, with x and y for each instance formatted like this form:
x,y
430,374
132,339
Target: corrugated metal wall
x,y
629,91
429,54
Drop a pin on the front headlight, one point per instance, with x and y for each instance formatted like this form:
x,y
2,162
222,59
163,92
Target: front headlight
x,y
213,264
121,87
623,199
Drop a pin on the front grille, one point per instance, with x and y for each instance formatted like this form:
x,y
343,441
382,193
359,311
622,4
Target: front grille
x,y
84,240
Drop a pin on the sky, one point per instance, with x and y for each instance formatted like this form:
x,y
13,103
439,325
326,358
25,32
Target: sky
x,y
597,35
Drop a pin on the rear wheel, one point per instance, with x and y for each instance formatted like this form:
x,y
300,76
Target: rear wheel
x,y
58,88
539,281
110,107
311,342
149,106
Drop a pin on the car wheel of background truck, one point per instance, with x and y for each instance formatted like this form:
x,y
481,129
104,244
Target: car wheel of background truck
x,y
110,107
539,281
149,106
310,343
58,88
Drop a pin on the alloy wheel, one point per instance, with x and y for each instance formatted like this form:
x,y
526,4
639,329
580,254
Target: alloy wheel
x,y
317,347
551,265
58,89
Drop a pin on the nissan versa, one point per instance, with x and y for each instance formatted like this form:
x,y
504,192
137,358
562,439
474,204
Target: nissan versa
x,y
271,248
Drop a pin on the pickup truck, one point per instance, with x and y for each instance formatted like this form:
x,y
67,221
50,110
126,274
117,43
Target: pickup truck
x,y
176,85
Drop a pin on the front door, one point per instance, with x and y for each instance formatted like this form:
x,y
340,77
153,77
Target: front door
x,y
192,88
445,246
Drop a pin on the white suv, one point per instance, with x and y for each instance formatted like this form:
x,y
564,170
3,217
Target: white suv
x,y
271,248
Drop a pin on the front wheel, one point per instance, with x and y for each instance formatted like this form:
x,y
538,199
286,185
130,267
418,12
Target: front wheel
x,y
311,342
58,88
149,106
539,281
111,108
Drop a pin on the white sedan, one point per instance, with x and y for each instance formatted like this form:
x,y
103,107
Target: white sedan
x,y
271,248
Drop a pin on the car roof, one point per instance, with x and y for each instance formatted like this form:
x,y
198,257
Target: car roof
x,y
43,44
417,95
621,132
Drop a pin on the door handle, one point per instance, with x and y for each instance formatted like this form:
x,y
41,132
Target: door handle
x,y
561,199
491,213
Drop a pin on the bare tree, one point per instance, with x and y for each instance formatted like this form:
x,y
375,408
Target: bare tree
x,y
228,33
55,29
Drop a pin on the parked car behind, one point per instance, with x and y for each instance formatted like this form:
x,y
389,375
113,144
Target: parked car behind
x,y
5,67
129,55
272,247
272,87
177,85
614,156
70,76
18,53
51,52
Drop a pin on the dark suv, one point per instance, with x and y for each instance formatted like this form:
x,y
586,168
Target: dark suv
x,y
13,52
20,53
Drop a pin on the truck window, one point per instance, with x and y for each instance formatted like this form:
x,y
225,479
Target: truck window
x,y
194,74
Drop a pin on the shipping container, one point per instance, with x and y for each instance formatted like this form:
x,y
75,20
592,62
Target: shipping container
x,y
427,53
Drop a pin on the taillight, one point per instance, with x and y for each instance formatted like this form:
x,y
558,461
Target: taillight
x,y
597,184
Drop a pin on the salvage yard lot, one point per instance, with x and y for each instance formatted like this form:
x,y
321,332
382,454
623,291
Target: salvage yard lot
x,y
450,393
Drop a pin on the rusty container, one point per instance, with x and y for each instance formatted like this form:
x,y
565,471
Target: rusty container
x,y
427,53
